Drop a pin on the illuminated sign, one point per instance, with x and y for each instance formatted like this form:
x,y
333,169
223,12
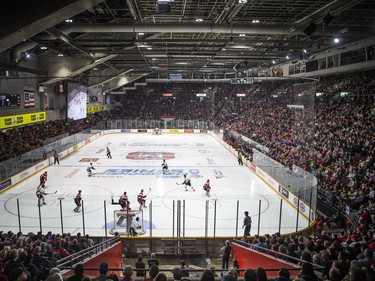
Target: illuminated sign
x,y
167,95
94,108
241,95
201,95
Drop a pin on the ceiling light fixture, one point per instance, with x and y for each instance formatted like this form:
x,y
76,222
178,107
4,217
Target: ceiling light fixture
x,y
69,20
199,20
255,21
336,40
242,35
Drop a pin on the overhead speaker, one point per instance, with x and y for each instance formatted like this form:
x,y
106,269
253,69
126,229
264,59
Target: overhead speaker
x,y
309,30
328,19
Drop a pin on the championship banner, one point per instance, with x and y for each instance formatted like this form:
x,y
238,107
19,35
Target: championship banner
x,y
28,91
22,119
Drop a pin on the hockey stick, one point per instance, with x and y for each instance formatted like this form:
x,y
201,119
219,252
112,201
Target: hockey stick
x,y
148,191
52,192
178,183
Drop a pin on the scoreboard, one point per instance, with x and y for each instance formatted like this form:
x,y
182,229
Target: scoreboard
x,y
10,100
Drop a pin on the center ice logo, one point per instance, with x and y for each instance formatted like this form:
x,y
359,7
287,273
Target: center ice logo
x,y
150,155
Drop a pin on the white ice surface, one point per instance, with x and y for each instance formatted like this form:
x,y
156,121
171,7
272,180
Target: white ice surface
x,y
198,155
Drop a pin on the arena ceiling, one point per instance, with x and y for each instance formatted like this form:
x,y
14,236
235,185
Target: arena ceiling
x,y
107,39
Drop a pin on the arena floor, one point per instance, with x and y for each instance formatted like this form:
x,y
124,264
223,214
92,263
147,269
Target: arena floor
x,y
135,165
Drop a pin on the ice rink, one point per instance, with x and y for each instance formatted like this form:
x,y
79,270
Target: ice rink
x,y
135,165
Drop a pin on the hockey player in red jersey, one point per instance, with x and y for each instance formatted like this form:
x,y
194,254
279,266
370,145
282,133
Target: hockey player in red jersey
x,y
141,200
43,179
207,187
124,201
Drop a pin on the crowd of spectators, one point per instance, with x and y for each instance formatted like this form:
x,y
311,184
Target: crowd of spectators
x,y
338,148
337,145
36,253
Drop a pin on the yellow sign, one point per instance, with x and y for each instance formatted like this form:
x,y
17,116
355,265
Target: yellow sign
x,y
21,119
94,108
173,131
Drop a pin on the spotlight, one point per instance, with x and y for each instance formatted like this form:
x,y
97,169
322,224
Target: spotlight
x,y
336,40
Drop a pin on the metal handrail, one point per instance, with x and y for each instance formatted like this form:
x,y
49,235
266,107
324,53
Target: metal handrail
x,y
81,255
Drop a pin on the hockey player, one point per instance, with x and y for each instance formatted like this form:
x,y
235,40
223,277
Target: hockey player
x,y
89,169
187,182
141,200
207,187
123,201
43,180
164,166
108,153
40,195
135,227
78,201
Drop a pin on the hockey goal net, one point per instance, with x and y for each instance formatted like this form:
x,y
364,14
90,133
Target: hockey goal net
x,y
156,131
123,221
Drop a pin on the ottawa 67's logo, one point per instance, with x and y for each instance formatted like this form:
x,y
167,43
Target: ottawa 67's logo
x,y
150,155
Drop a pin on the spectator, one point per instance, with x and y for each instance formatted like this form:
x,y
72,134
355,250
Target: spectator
x,y
284,275
11,262
152,260
226,252
177,273
250,275
139,265
184,267
78,273
152,272
161,277
207,275
18,274
128,273
261,274
308,270
103,272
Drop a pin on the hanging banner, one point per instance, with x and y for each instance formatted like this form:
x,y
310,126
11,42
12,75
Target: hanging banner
x,y
28,91
21,119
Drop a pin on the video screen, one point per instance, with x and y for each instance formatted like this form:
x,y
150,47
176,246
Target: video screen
x,y
77,101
